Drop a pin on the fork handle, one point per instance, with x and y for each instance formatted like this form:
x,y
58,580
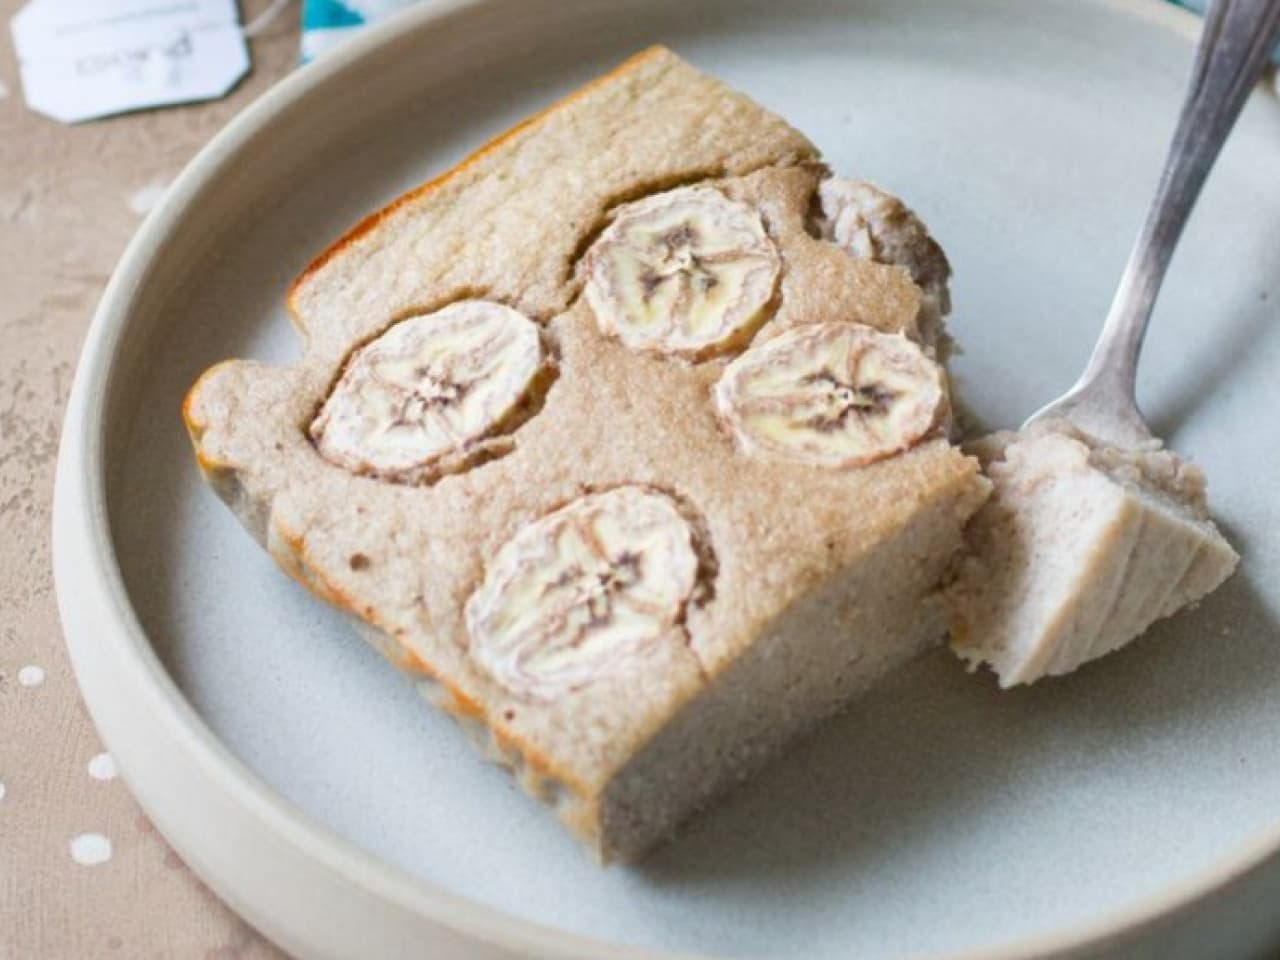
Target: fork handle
x,y
1233,50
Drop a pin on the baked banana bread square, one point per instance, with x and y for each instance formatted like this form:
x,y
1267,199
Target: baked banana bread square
x,y
627,437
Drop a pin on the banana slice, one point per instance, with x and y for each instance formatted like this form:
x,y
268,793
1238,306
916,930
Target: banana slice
x,y
831,394
428,396
583,591
688,272
868,222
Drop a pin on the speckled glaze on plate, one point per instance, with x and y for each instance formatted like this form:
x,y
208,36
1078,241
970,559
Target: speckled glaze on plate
x,y
1133,808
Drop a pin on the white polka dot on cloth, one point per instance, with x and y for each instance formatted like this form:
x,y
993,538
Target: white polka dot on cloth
x,y
103,767
144,199
90,849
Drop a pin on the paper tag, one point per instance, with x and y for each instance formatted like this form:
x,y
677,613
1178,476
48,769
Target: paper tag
x,y
82,59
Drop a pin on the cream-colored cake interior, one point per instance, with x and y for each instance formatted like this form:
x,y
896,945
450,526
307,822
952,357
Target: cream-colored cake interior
x,y
1080,549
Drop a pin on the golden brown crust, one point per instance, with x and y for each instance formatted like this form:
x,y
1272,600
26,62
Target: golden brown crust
x,y
421,191
194,423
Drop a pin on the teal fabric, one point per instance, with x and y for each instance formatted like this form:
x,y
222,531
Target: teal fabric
x,y
319,14
328,23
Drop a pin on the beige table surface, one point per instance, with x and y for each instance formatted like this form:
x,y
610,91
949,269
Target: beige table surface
x,y
70,198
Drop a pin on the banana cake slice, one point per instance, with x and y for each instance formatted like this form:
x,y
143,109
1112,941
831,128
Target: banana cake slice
x,y
627,438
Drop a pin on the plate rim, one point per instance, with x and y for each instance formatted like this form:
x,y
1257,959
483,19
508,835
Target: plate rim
x,y
113,657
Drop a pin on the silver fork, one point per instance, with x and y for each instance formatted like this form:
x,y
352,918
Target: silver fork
x,y
1232,53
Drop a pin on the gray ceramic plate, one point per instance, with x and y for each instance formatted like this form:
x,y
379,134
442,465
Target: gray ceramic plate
x,y
304,780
